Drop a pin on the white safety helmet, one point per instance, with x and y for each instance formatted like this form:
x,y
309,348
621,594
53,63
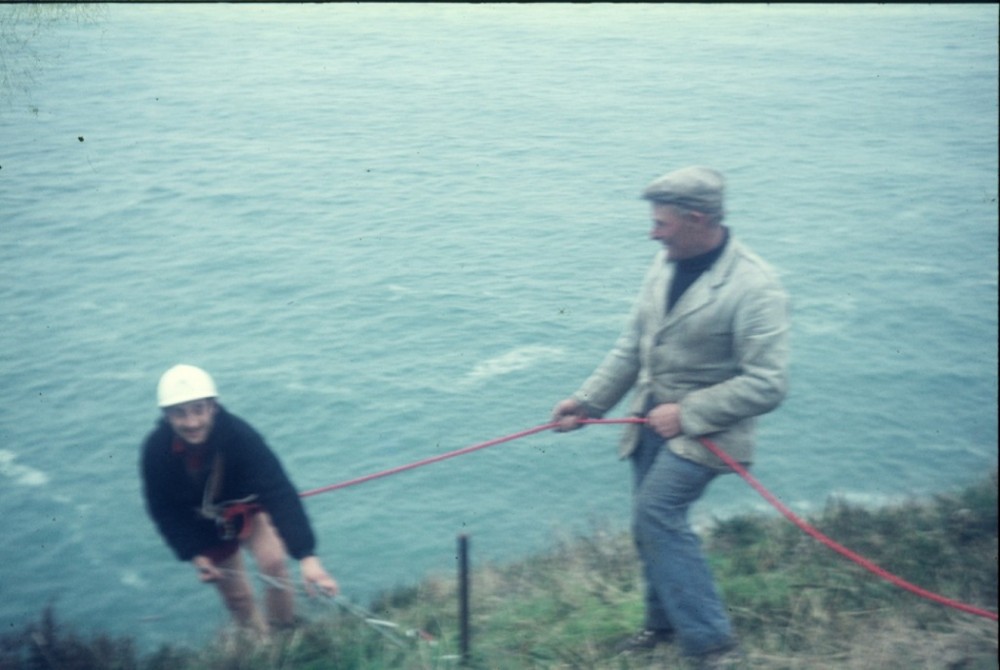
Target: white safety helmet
x,y
184,383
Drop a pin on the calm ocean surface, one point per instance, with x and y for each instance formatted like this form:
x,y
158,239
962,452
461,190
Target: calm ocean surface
x,y
395,231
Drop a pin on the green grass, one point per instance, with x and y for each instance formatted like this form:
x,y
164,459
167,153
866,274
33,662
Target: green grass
x,y
795,604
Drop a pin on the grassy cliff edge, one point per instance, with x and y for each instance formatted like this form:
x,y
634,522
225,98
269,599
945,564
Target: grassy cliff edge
x,y
795,604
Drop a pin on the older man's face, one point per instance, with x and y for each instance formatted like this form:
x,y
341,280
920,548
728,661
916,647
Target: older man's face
x,y
680,234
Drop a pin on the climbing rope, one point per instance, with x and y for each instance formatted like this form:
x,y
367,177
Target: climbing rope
x,y
393,632
427,461
728,460
835,546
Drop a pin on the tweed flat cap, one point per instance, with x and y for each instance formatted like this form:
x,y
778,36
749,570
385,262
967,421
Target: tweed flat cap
x,y
698,188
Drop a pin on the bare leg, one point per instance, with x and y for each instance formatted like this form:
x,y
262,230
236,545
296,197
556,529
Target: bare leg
x,y
238,595
272,560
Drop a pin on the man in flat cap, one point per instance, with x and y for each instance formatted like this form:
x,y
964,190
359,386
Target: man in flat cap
x,y
705,349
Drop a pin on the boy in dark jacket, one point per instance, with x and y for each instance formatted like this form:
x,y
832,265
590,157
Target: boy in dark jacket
x,y
213,486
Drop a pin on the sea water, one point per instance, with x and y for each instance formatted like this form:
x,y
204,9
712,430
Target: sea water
x,y
391,231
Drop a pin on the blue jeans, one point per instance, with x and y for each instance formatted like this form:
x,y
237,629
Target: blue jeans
x,y
680,593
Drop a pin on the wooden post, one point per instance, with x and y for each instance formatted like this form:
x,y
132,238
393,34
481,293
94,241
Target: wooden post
x,y
463,597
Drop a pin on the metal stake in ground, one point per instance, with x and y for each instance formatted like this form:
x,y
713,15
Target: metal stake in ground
x,y
463,597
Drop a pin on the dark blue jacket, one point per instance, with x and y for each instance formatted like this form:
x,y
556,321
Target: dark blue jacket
x,y
174,497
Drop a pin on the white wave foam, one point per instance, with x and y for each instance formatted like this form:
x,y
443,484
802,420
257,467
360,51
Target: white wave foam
x,y
825,314
25,475
133,579
520,358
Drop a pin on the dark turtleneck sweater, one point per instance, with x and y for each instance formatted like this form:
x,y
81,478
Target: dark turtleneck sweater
x,y
687,270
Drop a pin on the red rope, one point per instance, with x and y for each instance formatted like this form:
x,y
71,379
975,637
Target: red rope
x,y
839,548
728,460
427,461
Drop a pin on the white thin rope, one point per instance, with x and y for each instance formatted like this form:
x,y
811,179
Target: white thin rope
x,y
382,626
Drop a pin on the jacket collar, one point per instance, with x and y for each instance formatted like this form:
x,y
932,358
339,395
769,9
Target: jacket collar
x,y
703,291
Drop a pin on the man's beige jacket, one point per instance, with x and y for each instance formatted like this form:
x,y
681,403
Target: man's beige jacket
x,y
721,353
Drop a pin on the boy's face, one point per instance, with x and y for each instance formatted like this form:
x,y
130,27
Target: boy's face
x,y
192,421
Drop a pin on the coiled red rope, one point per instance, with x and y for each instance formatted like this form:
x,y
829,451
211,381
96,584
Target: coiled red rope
x,y
728,460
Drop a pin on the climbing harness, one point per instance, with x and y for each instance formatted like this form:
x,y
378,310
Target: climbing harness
x,y
232,517
729,461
